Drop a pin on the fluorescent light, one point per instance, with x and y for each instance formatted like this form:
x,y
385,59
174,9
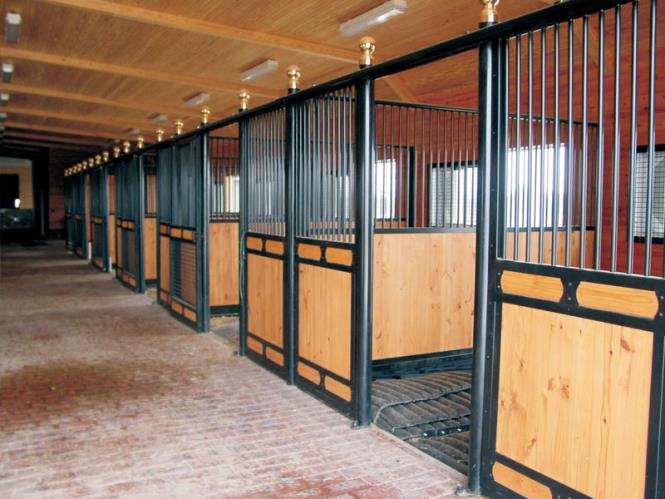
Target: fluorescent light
x,y
197,100
7,71
159,118
4,98
266,67
377,15
12,25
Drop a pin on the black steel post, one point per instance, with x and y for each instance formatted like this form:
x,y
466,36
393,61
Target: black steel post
x,y
289,243
365,152
243,129
203,303
139,218
485,252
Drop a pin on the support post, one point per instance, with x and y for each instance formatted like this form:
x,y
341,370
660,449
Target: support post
x,y
203,313
244,224
139,222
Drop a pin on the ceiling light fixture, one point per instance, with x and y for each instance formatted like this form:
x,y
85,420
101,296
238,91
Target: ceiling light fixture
x,y
132,131
4,98
197,100
7,72
266,67
378,15
12,25
158,118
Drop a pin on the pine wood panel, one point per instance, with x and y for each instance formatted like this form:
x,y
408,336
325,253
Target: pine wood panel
x,y
110,226
519,483
150,248
224,264
165,263
265,286
309,373
423,293
324,318
339,256
618,299
532,285
569,389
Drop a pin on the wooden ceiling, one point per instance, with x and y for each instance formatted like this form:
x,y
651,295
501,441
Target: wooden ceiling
x,y
87,71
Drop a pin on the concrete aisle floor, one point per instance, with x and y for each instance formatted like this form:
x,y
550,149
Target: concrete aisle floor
x,y
103,394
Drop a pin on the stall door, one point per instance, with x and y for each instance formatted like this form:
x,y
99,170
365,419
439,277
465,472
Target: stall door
x,y
128,224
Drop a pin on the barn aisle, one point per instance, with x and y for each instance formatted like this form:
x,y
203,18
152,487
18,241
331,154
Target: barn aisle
x,y
102,393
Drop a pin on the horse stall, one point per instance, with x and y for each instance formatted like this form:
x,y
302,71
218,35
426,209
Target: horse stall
x,y
183,229
109,167
69,212
79,233
99,219
129,186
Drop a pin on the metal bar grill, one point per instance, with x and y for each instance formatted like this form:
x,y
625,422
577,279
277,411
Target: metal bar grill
x,y
224,161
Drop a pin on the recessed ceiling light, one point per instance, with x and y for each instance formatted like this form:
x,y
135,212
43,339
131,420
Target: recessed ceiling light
x,y
262,69
159,118
12,25
378,15
197,100
7,72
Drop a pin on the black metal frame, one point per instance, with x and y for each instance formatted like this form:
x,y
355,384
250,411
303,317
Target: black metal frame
x,y
99,216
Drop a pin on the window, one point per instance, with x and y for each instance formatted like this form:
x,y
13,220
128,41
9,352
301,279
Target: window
x,y
641,194
453,195
385,173
528,197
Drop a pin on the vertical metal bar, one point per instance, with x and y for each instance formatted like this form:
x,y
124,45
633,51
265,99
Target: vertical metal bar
x,y
557,145
651,150
585,141
423,170
518,141
569,158
529,186
600,132
365,159
617,139
289,301
466,167
203,278
543,142
244,171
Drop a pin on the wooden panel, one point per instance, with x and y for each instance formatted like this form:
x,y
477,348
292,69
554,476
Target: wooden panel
x,y
324,318
88,201
309,251
631,301
150,248
189,235
519,483
339,389
111,237
265,286
423,293
274,247
309,373
569,391
177,307
164,229
255,345
255,243
223,253
188,276
177,233
164,263
118,242
547,247
163,296
274,356
531,285
339,256
189,314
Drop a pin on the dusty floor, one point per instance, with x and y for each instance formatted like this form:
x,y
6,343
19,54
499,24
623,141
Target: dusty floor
x,y
103,394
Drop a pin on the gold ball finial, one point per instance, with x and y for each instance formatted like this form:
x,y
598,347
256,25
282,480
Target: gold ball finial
x,y
105,156
98,159
293,72
367,47
160,135
126,146
244,100
489,14
91,162
205,114
139,142
178,127
116,152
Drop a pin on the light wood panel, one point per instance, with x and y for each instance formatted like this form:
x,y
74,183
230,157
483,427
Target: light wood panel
x,y
532,285
111,236
339,389
339,256
254,243
265,286
324,318
274,356
519,483
423,293
165,263
569,390
223,254
309,373
150,248
309,251
631,301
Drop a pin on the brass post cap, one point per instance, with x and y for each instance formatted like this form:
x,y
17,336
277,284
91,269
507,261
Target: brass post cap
x,y
139,142
178,127
116,152
293,72
244,99
205,113
367,47
126,145
160,135
98,159
489,14
105,156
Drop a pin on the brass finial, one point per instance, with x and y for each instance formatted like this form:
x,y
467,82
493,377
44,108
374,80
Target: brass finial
x,y
105,156
160,135
293,72
178,127
139,142
244,100
367,47
489,14
126,146
91,162
205,113
98,159
116,152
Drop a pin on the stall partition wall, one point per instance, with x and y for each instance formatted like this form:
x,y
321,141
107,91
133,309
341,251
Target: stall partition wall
x,y
111,227
69,213
150,219
224,225
99,219
129,222
182,217
79,235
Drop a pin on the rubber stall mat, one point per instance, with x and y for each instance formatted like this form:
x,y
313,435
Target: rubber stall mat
x,y
452,449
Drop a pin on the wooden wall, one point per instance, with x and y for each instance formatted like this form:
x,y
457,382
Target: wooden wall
x,y
264,298
574,400
423,293
150,248
223,254
22,168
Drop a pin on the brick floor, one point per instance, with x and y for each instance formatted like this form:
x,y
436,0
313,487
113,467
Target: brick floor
x,y
103,394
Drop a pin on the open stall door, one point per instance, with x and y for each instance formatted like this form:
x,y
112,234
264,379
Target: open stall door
x,y
79,233
99,219
129,222
183,225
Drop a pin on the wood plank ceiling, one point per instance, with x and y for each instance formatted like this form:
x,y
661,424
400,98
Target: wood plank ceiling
x,y
87,71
